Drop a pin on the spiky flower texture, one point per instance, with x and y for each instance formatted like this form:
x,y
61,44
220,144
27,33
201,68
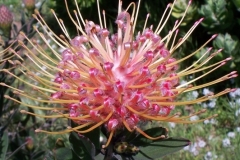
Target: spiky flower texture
x,y
118,80
6,19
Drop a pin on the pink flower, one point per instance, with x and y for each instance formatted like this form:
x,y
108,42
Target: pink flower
x,y
115,80
6,19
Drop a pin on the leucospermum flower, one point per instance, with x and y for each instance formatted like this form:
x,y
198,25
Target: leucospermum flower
x,y
114,80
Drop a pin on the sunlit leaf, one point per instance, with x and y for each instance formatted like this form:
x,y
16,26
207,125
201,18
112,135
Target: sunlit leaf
x,y
140,140
161,148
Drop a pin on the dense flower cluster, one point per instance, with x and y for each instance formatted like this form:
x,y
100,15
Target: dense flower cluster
x,y
6,18
114,80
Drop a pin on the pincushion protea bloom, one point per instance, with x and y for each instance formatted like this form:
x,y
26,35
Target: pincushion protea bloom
x,y
113,80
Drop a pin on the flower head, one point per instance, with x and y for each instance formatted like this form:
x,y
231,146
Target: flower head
x,y
29,4
6,19
114,80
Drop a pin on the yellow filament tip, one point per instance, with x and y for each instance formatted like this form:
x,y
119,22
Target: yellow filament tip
x,y
109,139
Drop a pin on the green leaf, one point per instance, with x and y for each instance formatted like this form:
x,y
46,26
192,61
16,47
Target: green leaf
x,y
100,156
140,140
179,10
4,145
237,4
161,148
228,42
94,137
82,147
63,154
103,157
38,154
217,16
